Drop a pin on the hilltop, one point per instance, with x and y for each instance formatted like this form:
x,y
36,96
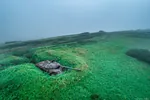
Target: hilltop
x,y
107,72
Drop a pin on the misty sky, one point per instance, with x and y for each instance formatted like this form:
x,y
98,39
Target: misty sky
x,y
33,19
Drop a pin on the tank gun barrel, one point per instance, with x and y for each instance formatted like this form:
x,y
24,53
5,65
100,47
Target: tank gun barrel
x,y
71,68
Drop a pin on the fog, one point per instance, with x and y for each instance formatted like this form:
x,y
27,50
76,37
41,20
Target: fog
x,y
34,19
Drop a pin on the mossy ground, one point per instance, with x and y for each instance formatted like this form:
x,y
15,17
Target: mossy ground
x,y
108,73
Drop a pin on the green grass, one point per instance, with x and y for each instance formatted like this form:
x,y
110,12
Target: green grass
x,y
9,60
107,72
63,57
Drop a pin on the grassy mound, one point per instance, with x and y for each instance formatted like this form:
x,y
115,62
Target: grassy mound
x,y
63,57
26,81
22,81
12,60
140,54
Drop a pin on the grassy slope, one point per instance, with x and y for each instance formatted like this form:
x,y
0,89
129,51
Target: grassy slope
x,y
111,74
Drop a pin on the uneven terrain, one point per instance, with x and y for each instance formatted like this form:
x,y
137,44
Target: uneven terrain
x,y
107,72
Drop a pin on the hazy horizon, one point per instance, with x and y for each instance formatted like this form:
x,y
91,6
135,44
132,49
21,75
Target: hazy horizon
x,y
27,20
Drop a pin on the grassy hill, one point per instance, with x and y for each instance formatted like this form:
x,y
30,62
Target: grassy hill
x,y
107,72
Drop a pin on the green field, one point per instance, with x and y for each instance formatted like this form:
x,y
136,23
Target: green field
x,y
107,72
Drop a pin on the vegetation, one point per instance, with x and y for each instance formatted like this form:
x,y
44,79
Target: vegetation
x,y
107,72
140,54
13,60
9,42
86,36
